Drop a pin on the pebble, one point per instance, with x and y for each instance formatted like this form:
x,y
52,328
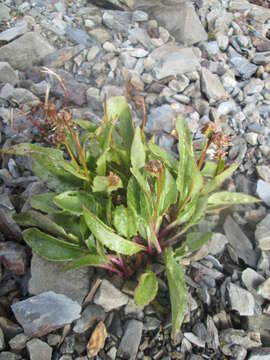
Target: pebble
x,y
129,344
2,340
109,297
18,342
38,350
263,190
262,234
90,315
264,289
241,300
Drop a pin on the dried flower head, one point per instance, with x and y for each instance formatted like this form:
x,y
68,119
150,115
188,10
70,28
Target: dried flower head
x,y
154,167
208,128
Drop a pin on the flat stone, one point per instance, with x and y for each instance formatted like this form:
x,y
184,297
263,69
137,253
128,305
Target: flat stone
x,y
178,17
161,119
118,21
6,355
38,350
13,257
47,276
252,280
240,337
59,57
41,314
4,12
90,315
241,300
263,172
217,244
262,233
14,32
264,289
18,342
29,49
7,74
79,36
240,242
194,339
260,354
263,190
241,65
212,87
131,339
100,34
170,60
260,323
109,297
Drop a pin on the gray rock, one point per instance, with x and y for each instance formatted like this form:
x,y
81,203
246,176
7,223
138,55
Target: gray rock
x,y
14,32
6,355
240,337
2,340
79,36
8,227
262,233
46,312
170,60
262,58
212,338
109,297
161,119
4,12
131,339
212,87
260,354
177,17
26,51
101,35
261,324
263,190
241,300
7,74
18,342
194,339
53,339
59,57
118,21
10,329
19,96
180,84
90,315
94,99
38,350
240,242
151,323
263,172
241,65
217,244
13,257
48,276
264,289
139,16
252,280
239,5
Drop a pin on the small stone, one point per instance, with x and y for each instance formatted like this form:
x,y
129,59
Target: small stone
x,y
194,339
251,138
7,74
241,300
59,57
260,354
240,337
223,41
109,297
264,289
263,190
217,244
131,339
14,32
13,257
151,323
68,345
10,329
18,342
94,99
161,119
46,312
6,355
38,350
53,339
90,315
4,12
212,87
101,35
79,36
180,84
263,172
139,16
262,234
252,280
2,340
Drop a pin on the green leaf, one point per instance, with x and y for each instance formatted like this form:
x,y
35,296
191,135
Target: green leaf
x,y
199,212
189,179
147,289
164,156
142,181
209,169
44,202
87,260
194,241
107,184
217,181
227,198
36,219
70,168
137,150
186,213
73,201
85,124
107,237
133,196
51,248
177,288
169,192
124,222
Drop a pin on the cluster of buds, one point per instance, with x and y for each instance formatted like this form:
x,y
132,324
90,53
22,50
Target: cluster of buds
x,y
154,167
218,138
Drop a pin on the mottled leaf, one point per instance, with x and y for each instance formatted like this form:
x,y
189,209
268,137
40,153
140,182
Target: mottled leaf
x,y
194,241
227,198
44,202
169,192
147,288
124,221
73,201
137,150
217,181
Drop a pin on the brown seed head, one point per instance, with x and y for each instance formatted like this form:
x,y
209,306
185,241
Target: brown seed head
x,y
154,167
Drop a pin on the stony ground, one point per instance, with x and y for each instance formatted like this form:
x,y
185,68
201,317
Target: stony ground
x,y
206,60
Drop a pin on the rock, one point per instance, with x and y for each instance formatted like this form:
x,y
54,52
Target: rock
x,y
260,354
131,339
240,337
194,339
13,257
6,355
251,138
261,324
4,12
53,339
2,340
117,21
7,74
161,119
264,289
212,338
263,172
94,99
109,297
90,315
14,32
9,328
139,16
217,244
262,58
170,60
263,190
8,227
178,18
100,35
47,276
212,87
18,342
38,350
26,51
19,96
59,57
79,36
241,65
240,242
252,280
262,233
46,312
241,300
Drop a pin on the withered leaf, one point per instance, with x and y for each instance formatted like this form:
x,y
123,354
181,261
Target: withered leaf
x,y
97,340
